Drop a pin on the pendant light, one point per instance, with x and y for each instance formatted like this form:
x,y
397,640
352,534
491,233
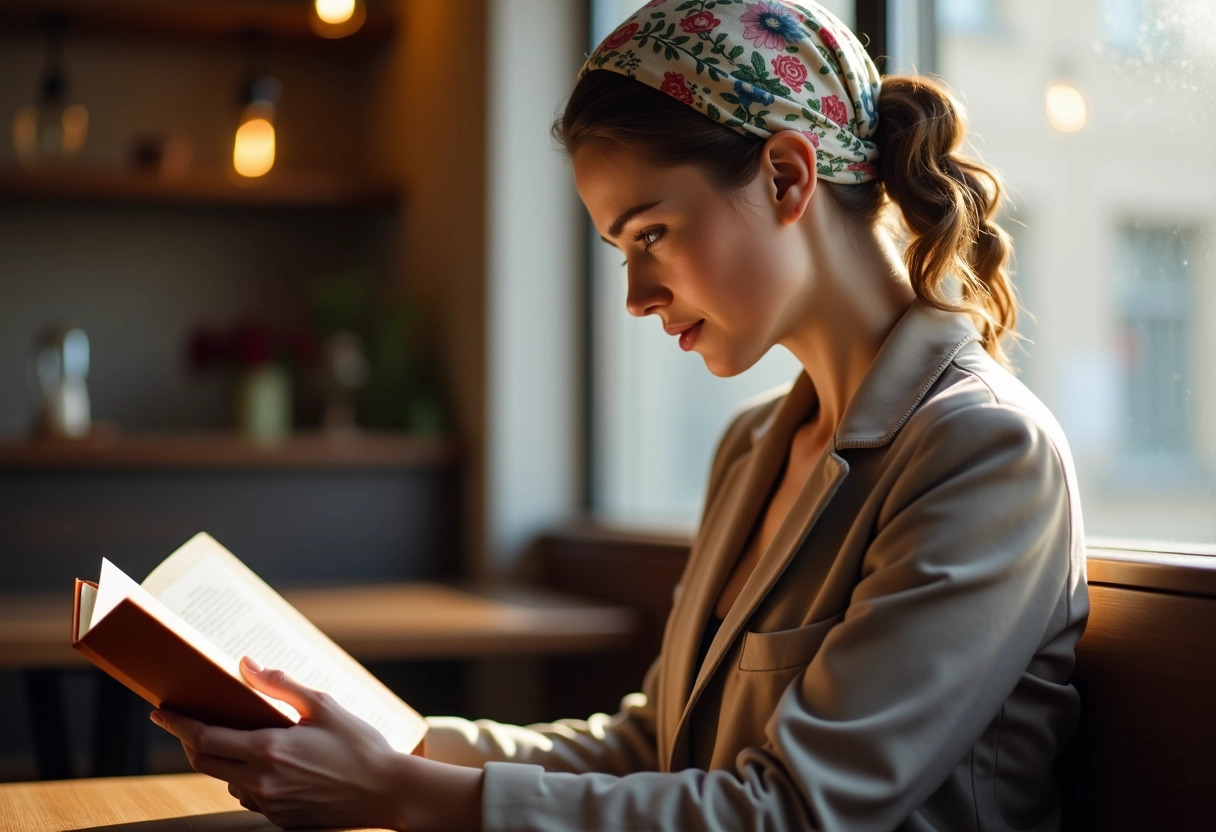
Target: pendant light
x,y
336,18
253,147
50,130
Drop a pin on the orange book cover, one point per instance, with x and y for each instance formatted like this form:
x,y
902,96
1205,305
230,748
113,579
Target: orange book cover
x,y
176,640
135,648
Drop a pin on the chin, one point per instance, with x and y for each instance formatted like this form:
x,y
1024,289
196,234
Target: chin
x,y
726,369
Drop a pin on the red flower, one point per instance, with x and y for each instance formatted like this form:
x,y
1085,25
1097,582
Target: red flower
x,y
252,344
675,86
620,37
700,22
864,167
205,349
829,40
813,136
790,70
835,110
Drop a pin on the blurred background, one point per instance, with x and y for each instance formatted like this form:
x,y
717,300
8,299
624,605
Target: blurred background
x,y
312,276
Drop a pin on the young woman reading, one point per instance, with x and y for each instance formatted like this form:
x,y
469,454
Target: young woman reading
x,y
875,628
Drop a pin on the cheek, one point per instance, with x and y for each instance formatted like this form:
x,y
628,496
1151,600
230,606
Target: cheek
x,y
741,267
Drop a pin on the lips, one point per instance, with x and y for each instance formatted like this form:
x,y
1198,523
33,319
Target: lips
x,y
687,333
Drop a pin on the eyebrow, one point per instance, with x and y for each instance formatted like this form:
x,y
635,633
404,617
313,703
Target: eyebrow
x,y
614,230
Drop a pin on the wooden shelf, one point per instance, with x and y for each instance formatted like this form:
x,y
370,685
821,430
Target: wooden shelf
x,y
279,189
280,19
220,451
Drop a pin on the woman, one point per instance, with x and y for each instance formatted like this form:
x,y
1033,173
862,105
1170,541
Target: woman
x,y
875,628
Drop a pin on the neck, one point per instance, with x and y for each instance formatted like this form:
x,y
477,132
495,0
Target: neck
x,y
858,292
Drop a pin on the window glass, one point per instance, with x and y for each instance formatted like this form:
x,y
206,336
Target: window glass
x,y
966,15
1103,132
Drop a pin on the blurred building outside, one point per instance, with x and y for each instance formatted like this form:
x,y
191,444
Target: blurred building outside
x,y
1115,264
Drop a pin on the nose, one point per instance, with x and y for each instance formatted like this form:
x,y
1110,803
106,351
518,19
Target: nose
x,y
646,295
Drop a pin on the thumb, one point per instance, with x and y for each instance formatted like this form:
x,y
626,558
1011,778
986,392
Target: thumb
x,y
276,683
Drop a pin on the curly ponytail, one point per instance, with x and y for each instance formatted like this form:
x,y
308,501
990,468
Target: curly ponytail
x,y
948,203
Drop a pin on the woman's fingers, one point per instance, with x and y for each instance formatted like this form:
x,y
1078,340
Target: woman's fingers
x,y
244,799
276,683
221,768
208,739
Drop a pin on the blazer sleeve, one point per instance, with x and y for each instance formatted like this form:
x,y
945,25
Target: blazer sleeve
x,y
969,560
617,744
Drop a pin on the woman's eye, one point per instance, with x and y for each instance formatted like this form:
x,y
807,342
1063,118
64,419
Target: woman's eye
x,y
649,237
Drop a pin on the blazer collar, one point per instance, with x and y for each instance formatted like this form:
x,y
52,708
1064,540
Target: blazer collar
x,y
916,352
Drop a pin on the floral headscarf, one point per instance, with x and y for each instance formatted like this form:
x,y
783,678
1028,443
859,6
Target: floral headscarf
x,y
758,67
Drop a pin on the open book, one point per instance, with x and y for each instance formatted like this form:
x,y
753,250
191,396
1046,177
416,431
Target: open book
x,y
177,639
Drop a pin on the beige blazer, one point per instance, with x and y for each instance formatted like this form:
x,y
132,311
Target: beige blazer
x,y
900,657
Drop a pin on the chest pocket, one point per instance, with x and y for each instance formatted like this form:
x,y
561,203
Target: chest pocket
x,y
784,649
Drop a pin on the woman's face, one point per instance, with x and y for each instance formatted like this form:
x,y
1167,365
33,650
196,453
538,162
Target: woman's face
x,y
723,275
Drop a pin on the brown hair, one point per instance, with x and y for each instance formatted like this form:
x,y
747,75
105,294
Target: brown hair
x,y
947,201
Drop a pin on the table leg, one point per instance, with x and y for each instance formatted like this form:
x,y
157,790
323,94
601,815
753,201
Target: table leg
x,y
45,695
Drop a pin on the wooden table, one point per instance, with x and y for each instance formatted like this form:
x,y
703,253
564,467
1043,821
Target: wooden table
x,y
386,622
160,803
392,621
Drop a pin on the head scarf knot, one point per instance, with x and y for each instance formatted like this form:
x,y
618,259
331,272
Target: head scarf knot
x,y
758,67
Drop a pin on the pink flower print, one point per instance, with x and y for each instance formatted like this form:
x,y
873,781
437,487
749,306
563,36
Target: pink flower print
x,y
835,110
700,22
862,167
675,86
813,136
829,40
790,70
770,25
620,37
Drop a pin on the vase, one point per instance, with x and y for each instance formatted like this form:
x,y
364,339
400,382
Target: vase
x,y
263,403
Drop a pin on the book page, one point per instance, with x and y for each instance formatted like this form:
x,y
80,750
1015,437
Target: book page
x,y
212,590
115,586
88,596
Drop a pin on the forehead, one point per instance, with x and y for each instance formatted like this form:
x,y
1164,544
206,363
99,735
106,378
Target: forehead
x,y
611,180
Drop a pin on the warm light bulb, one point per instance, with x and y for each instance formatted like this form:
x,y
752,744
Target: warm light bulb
x,y
253,149
1067,110
336,18
335,12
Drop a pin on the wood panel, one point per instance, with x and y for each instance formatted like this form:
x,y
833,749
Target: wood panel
x,y
1144,756
637,570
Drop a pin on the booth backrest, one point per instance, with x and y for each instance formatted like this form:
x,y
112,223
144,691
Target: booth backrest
x,y
1144,757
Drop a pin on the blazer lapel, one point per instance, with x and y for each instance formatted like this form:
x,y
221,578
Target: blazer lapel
x,y
744,493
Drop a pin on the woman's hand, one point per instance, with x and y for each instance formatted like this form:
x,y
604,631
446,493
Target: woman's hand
x,y
332,769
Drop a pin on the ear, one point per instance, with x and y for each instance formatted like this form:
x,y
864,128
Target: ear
x,y
789,163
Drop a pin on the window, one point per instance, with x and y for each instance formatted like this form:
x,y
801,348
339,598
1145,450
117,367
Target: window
x,y
1113,259
1155,341
966,15
1148,29
1112,207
